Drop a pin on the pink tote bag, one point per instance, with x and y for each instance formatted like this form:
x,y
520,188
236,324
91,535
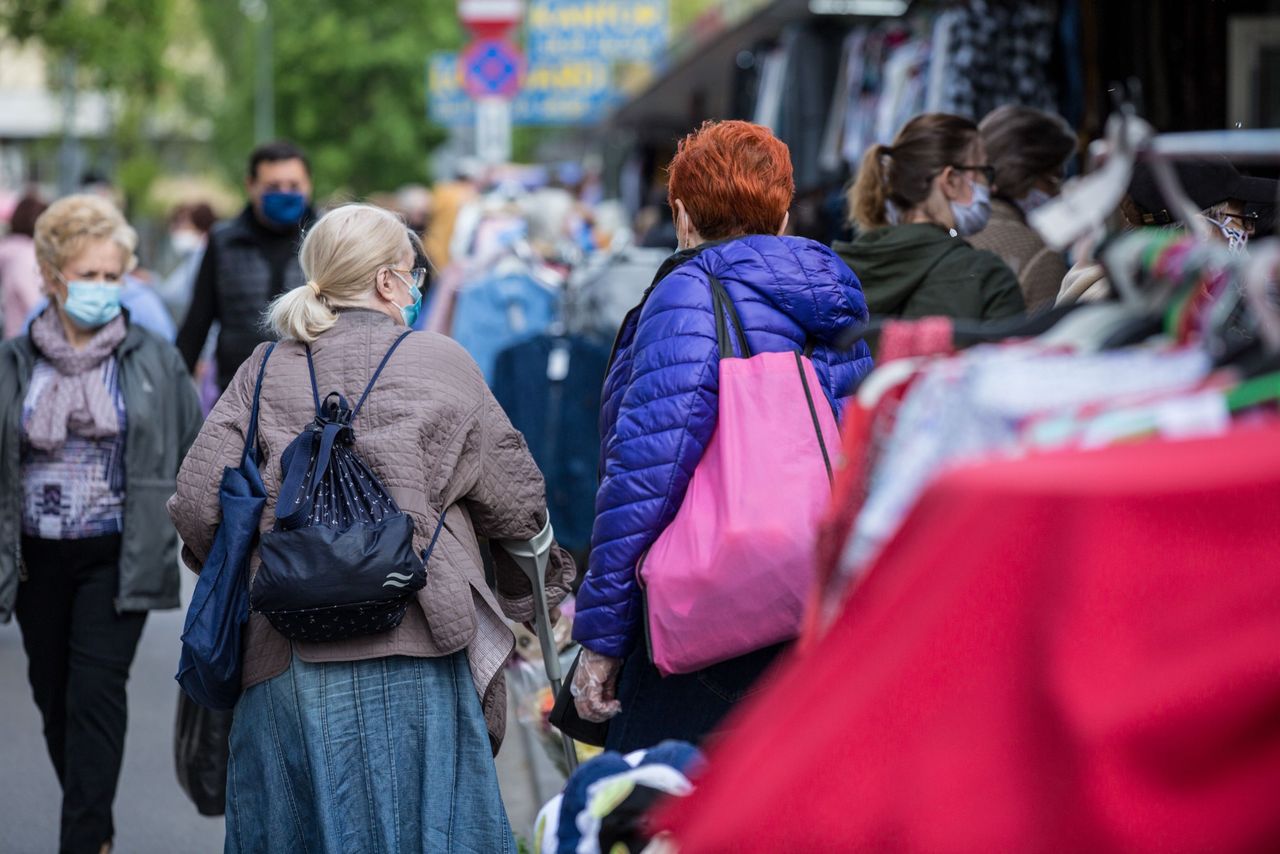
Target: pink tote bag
x,y
732,572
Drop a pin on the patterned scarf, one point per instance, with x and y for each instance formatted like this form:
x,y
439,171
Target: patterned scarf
x,y
76,399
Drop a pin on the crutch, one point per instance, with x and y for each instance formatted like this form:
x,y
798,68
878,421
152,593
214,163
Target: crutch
x,y
532,555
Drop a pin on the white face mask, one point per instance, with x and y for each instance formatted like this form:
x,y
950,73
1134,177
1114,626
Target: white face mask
x,y
185,242
973,217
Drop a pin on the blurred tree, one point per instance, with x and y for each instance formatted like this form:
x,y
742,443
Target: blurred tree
x,y
350,85
110,45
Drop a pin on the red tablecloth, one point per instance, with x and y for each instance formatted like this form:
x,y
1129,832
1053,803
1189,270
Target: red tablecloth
x,y
1076,652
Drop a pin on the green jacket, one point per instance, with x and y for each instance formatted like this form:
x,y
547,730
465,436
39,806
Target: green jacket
x,y
163,420
919,270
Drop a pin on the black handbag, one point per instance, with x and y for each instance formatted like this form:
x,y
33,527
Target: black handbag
x,y
201,752
339,562
564,714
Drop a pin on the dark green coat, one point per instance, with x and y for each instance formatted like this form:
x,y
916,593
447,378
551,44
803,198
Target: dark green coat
x,y
163,420
920,270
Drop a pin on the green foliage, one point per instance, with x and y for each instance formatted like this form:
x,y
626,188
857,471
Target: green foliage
x,y
113,45
117,44
349,85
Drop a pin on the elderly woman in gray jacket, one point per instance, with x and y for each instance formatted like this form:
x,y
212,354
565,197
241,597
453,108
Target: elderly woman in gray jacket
x,y
378,742
95,415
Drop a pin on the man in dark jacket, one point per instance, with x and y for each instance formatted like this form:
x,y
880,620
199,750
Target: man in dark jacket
x,y
251,260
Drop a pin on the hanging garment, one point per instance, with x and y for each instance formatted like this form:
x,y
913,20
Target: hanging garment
x,y
973,406
615,288
499,310
1082,652
1000,54
550,389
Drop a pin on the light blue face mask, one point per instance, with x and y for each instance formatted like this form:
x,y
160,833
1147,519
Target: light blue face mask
x,y
973,217
92,304
410,312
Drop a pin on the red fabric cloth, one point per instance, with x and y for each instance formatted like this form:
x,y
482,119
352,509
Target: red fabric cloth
x,y
1073,652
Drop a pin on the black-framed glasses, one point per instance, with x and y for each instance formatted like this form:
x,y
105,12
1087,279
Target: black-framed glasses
x,y
986,170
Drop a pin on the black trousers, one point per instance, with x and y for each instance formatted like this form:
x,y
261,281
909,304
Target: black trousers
x,y
79,651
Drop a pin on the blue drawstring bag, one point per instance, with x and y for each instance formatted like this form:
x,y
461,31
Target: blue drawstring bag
x,y
339,561
210,665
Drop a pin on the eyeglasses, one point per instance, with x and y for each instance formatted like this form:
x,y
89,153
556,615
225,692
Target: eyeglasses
x,y
987,171
1248,221
417,275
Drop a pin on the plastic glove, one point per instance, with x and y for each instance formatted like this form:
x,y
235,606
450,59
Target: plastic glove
x,y
594,688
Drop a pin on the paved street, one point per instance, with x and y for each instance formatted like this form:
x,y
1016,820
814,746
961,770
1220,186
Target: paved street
x,y
153,815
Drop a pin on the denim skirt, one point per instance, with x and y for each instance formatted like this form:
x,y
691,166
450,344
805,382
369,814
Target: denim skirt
x,y
387,755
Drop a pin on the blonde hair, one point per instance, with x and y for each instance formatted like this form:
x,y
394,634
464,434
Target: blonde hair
x,y
70,224
340,257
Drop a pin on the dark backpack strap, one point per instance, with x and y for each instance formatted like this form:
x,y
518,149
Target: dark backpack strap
x,y
251,435
813,413
378,373
724,308
296,468
426,555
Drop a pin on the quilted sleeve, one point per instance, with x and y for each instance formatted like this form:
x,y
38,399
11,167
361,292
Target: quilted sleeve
x,y
194,508
508,502
664,420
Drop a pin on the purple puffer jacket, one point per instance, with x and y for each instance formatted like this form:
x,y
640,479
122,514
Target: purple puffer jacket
x,y
660,397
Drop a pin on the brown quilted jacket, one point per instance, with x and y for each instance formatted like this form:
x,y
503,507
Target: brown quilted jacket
x,y
435,436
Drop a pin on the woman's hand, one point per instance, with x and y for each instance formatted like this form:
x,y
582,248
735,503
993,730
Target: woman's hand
x,y
595,685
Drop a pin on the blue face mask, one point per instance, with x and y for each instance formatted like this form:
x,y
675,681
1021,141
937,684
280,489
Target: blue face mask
x,y
410,312
284,208
92,304
973,217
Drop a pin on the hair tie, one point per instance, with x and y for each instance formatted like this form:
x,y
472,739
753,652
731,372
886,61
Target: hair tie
x,y
314,287
886,151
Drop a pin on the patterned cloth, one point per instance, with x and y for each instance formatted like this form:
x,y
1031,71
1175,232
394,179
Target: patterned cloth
x,y
76,490
73,400
998,54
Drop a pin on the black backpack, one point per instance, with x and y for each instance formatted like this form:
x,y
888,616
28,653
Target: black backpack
x,y
339,562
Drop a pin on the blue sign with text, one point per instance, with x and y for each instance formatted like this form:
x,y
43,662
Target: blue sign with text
x,y
634,30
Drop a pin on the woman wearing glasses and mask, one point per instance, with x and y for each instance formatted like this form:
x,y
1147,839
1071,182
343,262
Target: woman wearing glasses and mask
x,y
915,203
378,742
96,415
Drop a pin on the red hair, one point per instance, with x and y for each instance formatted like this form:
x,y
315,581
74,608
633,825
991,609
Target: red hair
x,y
733,178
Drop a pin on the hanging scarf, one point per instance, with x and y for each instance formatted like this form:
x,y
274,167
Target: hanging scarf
x,y
76,400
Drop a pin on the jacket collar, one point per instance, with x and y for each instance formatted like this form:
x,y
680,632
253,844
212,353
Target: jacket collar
x,y
363,317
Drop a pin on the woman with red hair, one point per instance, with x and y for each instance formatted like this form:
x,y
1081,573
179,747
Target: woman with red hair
x,y
730,187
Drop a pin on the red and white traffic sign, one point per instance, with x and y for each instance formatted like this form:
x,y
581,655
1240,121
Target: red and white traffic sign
x,y
490,18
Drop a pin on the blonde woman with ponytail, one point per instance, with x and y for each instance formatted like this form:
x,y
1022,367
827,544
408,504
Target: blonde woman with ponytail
x,y
382,742
914,203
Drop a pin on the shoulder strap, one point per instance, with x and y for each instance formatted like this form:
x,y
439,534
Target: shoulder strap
x,y
377,373
315,389
724,308
813,413
251,435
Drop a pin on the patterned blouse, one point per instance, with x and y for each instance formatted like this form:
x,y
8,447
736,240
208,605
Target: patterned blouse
x,y
77,491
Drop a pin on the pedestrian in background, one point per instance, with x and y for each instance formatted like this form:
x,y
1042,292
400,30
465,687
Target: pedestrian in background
x,y
1029,150
383,741
97,414
731,186
19,273
189,227
916,203
251,259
